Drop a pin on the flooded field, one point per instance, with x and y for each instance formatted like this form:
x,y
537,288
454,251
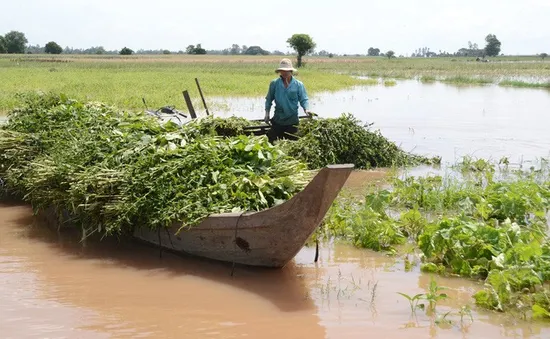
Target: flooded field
x,y
437,118
52,287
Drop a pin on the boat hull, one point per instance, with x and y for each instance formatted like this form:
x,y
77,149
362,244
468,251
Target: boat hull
x,y
269,238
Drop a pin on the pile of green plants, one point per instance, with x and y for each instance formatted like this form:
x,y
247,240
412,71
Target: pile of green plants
x,y
228,127
112,170
346,140
325,141
481,221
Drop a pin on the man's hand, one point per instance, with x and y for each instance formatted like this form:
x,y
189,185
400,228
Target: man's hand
x,y
266,118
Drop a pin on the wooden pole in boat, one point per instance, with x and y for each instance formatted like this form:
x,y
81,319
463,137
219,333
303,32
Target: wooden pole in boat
x,y
189,104
202,96
316,250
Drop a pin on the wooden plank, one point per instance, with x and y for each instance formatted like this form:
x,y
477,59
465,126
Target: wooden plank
x,y
189,104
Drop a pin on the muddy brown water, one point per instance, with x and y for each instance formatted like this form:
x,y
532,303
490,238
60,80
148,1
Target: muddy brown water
x,y
53,286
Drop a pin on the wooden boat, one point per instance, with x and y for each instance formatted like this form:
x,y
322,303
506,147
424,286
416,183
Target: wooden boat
x,y
268,238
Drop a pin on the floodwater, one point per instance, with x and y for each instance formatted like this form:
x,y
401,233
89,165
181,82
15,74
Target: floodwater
x,y
52,286
437,119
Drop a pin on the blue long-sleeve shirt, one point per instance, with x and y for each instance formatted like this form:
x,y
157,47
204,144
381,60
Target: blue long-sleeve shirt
x,y
286,100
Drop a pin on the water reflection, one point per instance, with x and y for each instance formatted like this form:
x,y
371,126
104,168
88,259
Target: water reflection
x,y
437,118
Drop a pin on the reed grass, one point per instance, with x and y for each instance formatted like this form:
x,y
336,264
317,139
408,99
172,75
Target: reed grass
x,y
519,83
427,78
467,80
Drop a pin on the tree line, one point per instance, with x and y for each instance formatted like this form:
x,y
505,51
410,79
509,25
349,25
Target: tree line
x,y
491,49
302,44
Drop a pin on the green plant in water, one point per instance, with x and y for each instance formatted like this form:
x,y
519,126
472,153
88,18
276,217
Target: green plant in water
x,y
481,221
366,225
434,295
414,301
441,319
464,311
539,312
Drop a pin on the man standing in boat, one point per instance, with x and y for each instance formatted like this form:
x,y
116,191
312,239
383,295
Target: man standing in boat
x,y
287,92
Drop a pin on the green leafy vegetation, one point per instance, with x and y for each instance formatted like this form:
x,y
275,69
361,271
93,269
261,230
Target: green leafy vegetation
x,y
347,140
112,169
482,221
326,141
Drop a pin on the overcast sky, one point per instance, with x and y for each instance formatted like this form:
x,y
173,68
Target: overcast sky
x,y
344,26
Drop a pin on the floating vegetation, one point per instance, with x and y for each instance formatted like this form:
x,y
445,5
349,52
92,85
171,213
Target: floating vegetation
x,y
483,221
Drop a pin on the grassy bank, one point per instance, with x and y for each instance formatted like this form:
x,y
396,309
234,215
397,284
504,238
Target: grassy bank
x,y
124,80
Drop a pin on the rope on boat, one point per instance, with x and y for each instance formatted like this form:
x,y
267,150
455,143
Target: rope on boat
x,y
160,242
235,241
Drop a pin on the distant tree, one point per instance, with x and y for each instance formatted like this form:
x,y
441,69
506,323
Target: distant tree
x,y
199,49
192,49
302,44
543,55
373,51
53,48
126,51
472,46
3,48
493,45
256,50
165,51
235,49
15,42
34,49
390,54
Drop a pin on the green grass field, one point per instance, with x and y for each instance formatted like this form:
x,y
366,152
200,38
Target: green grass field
x,y
124,80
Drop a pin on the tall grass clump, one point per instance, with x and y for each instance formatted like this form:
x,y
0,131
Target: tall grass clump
x,y
524,84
